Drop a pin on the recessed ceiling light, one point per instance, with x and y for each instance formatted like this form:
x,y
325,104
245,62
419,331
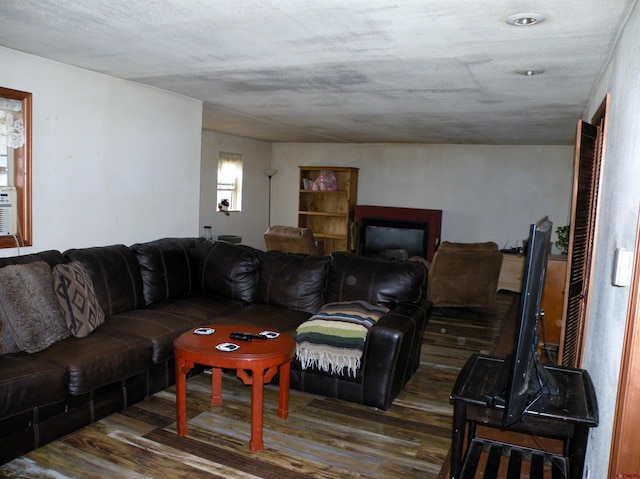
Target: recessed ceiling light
x,y
529,73
525,19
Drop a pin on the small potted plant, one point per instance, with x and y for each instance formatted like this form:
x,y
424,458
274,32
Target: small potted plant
x,y
562,239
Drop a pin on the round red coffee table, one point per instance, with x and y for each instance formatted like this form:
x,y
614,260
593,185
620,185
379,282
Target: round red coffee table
x,y
255,362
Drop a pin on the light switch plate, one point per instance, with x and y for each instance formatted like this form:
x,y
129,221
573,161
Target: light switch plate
x,y
622,267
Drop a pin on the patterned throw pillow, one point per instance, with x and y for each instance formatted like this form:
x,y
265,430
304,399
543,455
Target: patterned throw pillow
x,y
77,298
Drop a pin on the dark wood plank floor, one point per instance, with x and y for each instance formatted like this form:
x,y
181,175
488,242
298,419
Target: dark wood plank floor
x,y
322,438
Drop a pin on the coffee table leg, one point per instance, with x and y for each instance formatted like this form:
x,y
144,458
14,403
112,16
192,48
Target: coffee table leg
x,y
182,368
257,396
216,387
283,392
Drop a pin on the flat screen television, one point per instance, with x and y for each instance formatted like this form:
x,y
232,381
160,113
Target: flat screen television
x,y
378,237
523,379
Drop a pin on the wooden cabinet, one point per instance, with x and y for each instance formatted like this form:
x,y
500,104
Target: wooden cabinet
x,y
328,213
511,276
552,301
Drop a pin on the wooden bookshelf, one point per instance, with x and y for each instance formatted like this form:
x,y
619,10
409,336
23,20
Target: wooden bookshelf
x,y
328,213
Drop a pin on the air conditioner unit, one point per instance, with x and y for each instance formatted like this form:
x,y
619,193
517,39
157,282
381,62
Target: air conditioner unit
x,y
8,211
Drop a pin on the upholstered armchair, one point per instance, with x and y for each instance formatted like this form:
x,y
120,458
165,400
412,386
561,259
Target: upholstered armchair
x,y
464,275
290,239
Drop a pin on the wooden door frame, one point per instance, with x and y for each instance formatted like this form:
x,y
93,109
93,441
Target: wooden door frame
x,y
624,458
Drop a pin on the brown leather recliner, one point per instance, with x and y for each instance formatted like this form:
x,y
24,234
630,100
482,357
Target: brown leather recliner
x,y
291,239
464,275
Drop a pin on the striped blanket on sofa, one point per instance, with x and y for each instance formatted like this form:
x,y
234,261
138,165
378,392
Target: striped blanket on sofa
x,y
334,338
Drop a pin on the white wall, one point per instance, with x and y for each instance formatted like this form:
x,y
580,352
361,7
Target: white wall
x,y
487,193
618,221
251,222
113,161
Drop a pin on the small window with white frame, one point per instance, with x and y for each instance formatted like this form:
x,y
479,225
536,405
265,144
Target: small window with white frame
x,y
229,183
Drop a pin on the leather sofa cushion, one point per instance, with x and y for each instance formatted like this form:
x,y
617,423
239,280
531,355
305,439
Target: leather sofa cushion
x,y
28,381
159,328
51,257
165,268
376,281
202,308
295,281
226,269
267,317
115,275
99,359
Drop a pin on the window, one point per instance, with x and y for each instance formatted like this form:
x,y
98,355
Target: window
x,y
230,180
4,161
15,168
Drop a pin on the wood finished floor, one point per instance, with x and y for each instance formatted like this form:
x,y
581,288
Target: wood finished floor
x,y
322,438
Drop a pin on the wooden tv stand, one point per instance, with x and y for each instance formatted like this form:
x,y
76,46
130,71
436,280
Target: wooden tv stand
x,y
567,417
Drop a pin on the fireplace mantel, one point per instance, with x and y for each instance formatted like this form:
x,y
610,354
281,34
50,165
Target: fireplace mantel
x,y
406,215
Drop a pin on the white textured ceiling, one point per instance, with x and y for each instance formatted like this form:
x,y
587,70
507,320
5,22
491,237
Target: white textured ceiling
x,y
410,71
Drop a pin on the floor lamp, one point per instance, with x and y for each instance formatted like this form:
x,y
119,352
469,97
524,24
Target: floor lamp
x,y
270,174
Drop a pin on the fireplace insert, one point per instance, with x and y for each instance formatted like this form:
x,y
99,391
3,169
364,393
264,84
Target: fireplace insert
x,y
390,239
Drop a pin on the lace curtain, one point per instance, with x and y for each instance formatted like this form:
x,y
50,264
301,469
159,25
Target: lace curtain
x,y
11,124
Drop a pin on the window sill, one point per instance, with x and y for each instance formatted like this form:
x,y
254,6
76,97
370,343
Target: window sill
x,y
13,242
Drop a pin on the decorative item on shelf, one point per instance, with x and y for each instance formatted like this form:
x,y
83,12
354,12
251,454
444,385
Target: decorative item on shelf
x,y
207,233
325,182
270,174
223,206
562,241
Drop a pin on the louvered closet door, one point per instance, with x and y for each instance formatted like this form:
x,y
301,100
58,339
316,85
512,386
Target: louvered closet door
x,y
581,240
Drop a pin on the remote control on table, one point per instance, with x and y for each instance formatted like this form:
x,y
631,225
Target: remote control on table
x,y
242,336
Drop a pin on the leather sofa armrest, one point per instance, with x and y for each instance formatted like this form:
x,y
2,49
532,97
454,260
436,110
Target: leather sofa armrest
x,y
393,352
383,353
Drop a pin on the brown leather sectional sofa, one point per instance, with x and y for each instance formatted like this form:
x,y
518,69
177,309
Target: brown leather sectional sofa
x,y
152,292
